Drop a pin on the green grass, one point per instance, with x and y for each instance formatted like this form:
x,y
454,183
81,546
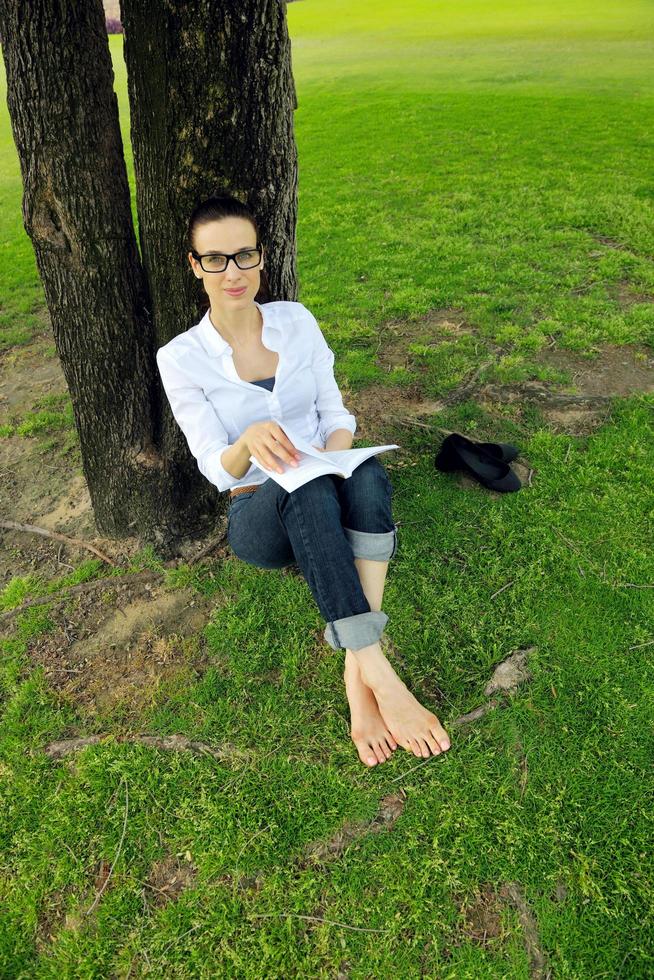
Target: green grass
x,y
482,157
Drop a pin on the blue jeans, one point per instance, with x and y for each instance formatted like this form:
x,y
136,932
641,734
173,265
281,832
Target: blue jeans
x,y
322,527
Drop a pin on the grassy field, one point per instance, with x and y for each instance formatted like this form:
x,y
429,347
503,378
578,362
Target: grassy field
x,y
491,162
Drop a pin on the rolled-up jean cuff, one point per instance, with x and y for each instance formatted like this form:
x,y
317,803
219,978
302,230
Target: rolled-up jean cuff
x,y
355,632
376,547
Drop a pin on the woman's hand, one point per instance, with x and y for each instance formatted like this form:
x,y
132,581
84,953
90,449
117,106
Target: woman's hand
x,y
268,443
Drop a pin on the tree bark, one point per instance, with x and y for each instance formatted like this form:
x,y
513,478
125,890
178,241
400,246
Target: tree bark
x,y
211,104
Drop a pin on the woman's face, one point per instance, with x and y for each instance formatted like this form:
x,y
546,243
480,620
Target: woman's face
x,y
233,289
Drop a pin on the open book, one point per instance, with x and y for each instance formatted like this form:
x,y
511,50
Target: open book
x,y
313,463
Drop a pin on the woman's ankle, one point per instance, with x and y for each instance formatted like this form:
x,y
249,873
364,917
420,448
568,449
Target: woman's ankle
x,y
374,667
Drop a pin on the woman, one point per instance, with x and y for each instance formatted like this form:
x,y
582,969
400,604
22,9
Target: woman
x,y
232,381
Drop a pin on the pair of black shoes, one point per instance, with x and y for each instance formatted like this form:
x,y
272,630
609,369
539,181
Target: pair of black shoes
x,y
487,462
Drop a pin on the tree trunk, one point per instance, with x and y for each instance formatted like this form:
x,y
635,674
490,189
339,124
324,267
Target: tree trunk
x,y
212,98
211,103
76,211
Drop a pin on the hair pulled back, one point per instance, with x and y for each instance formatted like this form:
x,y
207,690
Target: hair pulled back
x,y
213,209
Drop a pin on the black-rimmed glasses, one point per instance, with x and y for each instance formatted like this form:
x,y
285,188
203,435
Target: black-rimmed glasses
x,y
248,258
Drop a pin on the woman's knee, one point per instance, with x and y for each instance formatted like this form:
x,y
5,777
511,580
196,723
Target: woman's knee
x,y
316,493
256,550
371,478
262,561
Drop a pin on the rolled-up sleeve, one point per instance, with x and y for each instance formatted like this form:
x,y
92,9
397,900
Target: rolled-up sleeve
x,y
329,402
197,418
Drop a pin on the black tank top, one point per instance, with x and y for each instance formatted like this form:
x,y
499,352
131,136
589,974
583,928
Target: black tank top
x,y
266,383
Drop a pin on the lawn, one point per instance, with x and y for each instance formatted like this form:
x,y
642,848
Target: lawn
x,y
488,165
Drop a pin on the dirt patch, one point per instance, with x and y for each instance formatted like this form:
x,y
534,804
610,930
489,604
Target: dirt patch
x,y
611,371
560,891
390,808
396,336
52,918
379,410
507,677
510,674
117,649
62,910
482,921
378,407
36,490
168,878
514,894
626,294
576,408
579,407
481,913
609,243
28,375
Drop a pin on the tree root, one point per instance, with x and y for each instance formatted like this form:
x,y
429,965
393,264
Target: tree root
x,y
111,580
56,536
56,750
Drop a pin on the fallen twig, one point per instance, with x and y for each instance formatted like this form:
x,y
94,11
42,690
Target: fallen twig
x,y
405,420
120,845
503,588
313,918
33,529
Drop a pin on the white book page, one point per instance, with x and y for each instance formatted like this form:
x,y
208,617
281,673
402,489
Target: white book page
x,y
349,459
292,477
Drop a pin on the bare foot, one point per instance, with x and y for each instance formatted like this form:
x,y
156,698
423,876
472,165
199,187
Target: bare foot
x,y
369,733
412,726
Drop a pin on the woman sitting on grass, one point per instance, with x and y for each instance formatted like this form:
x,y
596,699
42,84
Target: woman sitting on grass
x,y
232,381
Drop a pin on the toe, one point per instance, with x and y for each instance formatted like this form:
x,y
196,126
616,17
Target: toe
x,y
432,743
379,752
366,753
390,741
383,748
441,736
415,747
424,748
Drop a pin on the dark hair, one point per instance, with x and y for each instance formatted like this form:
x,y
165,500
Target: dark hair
x,y
213,209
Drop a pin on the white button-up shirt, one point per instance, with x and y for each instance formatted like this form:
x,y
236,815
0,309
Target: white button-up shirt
x,y
213,406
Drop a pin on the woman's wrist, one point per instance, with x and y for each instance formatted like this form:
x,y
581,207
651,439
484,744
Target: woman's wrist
x,y
339,439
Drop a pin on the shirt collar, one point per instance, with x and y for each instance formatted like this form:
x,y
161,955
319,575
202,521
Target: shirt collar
x,y
215,345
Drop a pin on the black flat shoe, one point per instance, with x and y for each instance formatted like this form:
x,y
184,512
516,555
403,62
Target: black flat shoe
x,y
447,459
504,451
459,453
